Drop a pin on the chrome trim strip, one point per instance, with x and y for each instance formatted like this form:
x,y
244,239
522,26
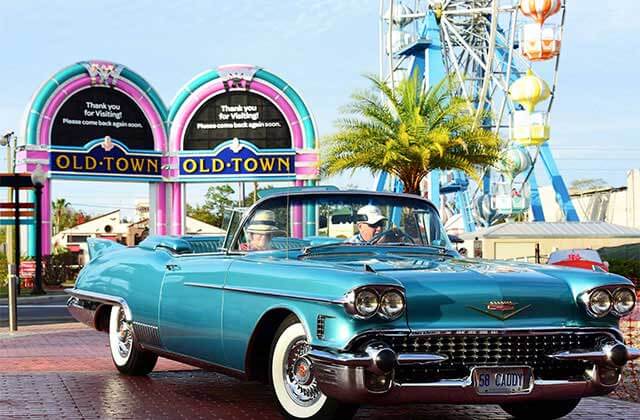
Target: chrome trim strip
x,y
344,359
102,298
194,361
597,356
365,360
284,295
419,358
204,285
462,383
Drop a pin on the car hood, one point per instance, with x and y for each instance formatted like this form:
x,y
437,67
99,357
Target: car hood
x,y
454,293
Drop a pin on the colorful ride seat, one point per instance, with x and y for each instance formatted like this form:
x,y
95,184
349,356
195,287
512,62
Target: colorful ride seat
x,y
511,199
530,128
540,42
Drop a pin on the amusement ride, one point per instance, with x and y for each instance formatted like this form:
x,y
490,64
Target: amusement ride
x,y
496,51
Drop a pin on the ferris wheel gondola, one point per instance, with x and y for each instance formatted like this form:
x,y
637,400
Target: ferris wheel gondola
x,y
490,47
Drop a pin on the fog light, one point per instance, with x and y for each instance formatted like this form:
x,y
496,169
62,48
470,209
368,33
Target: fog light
x,y
377,383
608,376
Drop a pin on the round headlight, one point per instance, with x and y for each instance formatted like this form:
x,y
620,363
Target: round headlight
x,y
623,301
391,304
600,303
366,303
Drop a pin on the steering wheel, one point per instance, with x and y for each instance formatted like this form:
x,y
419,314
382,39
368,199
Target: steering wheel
x,y
393,235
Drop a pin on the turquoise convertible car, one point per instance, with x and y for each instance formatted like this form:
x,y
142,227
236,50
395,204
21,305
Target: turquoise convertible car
x,y
341,298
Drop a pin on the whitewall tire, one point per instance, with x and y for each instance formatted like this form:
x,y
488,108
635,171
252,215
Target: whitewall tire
x,y
127,356
296,389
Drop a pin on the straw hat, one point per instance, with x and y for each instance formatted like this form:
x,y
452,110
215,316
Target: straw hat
x,y
263,222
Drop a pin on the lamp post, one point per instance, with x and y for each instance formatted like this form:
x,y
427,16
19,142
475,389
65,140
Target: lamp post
x,y
38,178
12,284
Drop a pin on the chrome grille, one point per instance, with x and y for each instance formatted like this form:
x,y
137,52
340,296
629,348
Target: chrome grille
x,y
465,350
320,326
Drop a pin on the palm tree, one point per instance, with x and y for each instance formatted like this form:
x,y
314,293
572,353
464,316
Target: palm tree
x,y
409,132
60,209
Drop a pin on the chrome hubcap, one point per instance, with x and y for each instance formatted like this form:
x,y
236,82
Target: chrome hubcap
x,y
299,381
125,338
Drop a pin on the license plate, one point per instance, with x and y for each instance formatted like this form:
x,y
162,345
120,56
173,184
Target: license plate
x,y
502,380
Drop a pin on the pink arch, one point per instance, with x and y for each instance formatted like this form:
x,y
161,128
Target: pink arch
x,y
216,86
195,100
159,141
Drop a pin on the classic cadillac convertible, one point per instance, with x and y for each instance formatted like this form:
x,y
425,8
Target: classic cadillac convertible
x,y
340,298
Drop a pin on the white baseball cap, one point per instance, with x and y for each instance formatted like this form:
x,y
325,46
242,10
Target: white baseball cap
x,y
372,214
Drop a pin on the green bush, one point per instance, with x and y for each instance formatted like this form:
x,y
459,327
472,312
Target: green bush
x,y
4,270
626,267
59,268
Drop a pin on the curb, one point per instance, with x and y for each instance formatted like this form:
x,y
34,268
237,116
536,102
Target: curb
x,y
48,328
36,299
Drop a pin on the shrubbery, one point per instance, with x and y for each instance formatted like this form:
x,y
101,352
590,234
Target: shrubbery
x,y
59,268
628,268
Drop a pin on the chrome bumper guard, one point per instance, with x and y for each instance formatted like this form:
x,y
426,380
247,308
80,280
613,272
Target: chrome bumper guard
x,y
347,377
615,354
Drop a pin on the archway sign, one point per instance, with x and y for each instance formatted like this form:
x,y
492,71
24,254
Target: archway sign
x,y
98,120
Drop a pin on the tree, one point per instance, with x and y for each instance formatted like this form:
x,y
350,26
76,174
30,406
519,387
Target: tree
x,y
200,212
252,197
409,132
217,199
65,216
61,213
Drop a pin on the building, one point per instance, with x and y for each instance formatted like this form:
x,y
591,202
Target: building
x,y
110,226
619,205
520,240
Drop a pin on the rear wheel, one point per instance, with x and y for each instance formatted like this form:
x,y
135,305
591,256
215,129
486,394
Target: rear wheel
x,y
297,392
543,410
126,354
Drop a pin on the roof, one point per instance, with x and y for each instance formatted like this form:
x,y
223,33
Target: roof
x,y
556,230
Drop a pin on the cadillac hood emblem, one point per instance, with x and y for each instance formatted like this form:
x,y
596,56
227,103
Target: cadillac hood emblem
x,y
501,309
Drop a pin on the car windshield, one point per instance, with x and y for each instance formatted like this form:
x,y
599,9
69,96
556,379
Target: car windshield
x,y
295,221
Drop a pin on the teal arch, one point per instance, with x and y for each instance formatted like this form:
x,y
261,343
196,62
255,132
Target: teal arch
x,y
49,88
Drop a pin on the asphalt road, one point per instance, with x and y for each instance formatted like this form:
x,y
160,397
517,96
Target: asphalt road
x,y
32,311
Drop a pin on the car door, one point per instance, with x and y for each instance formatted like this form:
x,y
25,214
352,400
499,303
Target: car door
x,y
191,304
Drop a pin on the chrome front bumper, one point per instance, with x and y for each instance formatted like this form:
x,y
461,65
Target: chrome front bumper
x,y
349,377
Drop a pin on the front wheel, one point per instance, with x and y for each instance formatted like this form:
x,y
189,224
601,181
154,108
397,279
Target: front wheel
x,y
126,354
296,389
543,410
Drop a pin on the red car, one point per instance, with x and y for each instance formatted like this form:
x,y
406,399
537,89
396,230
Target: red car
x,y
587,259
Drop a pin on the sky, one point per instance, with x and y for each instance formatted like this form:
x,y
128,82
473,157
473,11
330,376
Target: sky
x,y
321,47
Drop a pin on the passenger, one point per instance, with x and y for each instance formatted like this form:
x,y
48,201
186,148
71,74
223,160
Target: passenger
x,y
260,231
372,224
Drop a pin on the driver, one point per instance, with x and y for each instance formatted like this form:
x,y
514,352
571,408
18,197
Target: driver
x,y
372,223
260,231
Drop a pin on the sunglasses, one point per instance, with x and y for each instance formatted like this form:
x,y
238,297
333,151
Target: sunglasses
x,y
377,225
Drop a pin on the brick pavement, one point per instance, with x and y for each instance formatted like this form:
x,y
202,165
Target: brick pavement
x,y
66,372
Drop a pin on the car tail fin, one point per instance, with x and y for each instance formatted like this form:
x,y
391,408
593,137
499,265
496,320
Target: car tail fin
x,y
98,247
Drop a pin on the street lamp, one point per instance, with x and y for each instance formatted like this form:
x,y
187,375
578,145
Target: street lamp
x,y
38,178
5,141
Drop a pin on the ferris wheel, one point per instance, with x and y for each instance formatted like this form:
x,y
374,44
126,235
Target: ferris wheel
x,y
496,51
